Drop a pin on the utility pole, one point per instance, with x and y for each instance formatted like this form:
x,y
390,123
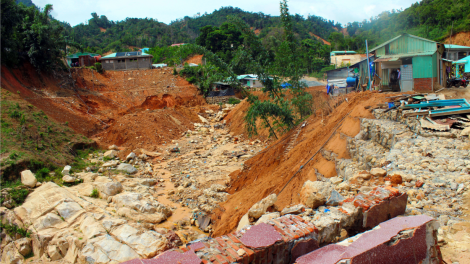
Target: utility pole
x,y
368,63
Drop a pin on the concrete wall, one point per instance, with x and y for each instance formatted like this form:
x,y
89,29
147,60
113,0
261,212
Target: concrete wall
x,y
352,59
127,64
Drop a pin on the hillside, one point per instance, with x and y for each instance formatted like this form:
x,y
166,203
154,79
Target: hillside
x,y
31,139
25,2
101,35
429,19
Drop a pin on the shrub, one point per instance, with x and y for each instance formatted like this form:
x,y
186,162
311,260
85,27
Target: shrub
x,y
175,72
12,230
42,173
99,67
106,158
233,101
16,114
18,196
94,193
191,79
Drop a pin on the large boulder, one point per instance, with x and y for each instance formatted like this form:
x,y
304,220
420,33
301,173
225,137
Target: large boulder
x,y
127,168
267,217
109,189
23,245
110,154
87,176
315,193
106,249
68,179
146,244
11,255
91,228
244,221
130,156
66,170
28,179
203,120
259,208
378,172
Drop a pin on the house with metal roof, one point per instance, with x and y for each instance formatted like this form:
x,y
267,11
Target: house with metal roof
x,y
122,61
75,58
455,52
408,63
250,80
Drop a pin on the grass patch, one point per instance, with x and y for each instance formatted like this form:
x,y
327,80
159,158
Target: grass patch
x,y
95,193
12,230
233,101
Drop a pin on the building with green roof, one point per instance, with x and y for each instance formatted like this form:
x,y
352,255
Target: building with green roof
x,y
408,62
73,58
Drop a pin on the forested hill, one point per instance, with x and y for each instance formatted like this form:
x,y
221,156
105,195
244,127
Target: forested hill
x,y
25,2
102,35
429,19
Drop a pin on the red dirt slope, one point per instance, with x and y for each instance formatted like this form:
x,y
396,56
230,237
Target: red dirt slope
x,y
269,171
112,106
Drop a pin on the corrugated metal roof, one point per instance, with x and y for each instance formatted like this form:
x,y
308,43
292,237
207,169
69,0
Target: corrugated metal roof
x,y
341,52
405,55
452,46
76,55
397,37
126,54
112,55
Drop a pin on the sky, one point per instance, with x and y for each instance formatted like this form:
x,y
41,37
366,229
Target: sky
x,y
343,11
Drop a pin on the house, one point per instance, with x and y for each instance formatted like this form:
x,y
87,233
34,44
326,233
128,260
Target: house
x,y
464,63
250,80
337,77
345,58
455,52
177,44
133,60
360,70
409,63
83,59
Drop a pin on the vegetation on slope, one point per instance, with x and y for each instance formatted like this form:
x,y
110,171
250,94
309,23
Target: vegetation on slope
x,y
29,139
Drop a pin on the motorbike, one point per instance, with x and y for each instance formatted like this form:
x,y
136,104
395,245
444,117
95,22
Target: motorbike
x,y
457,82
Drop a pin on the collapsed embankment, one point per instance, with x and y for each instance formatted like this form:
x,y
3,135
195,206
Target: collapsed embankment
x,y
130,108
271,170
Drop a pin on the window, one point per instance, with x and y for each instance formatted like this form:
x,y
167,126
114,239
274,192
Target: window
x,y
111,61
387,49
254,82
461,55
107,61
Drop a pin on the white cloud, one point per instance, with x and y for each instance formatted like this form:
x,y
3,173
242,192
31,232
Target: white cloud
x,y
343,11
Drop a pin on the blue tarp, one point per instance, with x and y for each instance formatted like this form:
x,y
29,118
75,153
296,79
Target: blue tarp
x,y
285,85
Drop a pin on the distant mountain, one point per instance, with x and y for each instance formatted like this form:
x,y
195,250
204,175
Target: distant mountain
x,y
104,35
25,2
429,19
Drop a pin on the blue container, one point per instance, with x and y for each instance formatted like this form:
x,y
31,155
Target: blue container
x,y
390,105
351,82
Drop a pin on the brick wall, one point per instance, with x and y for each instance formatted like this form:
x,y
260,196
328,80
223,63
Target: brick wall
x,y
423,84
285,239
410,239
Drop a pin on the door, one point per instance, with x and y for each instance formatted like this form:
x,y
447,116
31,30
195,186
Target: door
x,y
406,78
